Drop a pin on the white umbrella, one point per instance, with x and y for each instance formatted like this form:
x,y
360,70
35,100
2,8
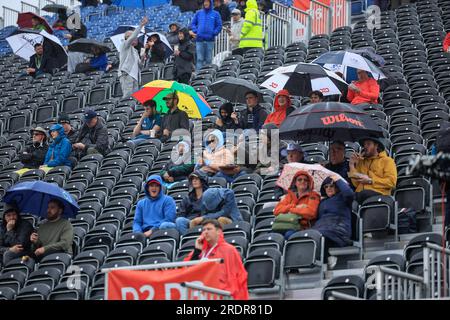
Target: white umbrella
x,y
118,39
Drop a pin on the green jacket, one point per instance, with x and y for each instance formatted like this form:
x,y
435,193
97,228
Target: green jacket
x,y
252,33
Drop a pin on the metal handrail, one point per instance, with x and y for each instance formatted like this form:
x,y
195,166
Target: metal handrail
x,y
160,265
398,285
343,296
207,290
25,7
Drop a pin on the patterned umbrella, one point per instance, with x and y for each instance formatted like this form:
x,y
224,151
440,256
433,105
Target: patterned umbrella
x,y
191,102
24,21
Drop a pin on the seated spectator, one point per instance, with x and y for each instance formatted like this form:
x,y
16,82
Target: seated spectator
x,y
39,62
156,211
99,62
265,146
300,200
180,165
254,116
174,119
172,35
294,153
93,136
148,125
54,235
37,24
34,155
14,235
228,118
184,55
337,162
334,218
155,51
446,43
373,172
60,24
73,57
365,90
191,204
223,10
59,151
316,96
220,204
216,155
69,131
282,106
234,32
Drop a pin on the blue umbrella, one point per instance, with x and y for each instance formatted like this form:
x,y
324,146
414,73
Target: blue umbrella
x,y
33,196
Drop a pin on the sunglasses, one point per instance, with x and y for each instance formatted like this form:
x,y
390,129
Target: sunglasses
x,y
328,186
210,141
302,180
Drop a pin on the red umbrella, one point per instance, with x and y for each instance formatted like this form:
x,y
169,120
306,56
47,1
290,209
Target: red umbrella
x,y
24,21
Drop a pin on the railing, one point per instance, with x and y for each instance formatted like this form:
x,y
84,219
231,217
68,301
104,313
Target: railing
x,y
396,285
10,16
25,7
300,25
197,292
222,43
436,272
276,30
342,296
322,18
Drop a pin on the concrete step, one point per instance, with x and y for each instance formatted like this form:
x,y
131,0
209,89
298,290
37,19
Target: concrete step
x,y
370,255
344,272
305,294
395,245
357,264
409,236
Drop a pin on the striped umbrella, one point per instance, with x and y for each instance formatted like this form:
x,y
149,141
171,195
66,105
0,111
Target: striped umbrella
x,y
191,102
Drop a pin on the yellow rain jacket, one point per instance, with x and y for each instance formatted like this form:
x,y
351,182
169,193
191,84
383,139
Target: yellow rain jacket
x,y
251,33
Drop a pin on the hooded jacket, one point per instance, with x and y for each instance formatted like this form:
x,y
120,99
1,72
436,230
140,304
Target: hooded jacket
x,y
96,137
224,11
228,122
370,90
35,154
182,166
206,24
220,156
290,203
259,117
184,63
383,172
152,212
251,33
190,206
129,57
19,235
334,218
158,51
172,36
59,151
236,28
220,202
277,117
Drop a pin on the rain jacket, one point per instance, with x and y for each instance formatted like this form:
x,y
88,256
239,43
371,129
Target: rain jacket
x,y
190,206
224,12
220,156
370,90
35,156
446,43
382,170
129,57
59,151
96,137
182,167
277,117
334,218
207,24
184,63
43,64
99,63
220,202
158,51
152,212
228,123
290,202
251,33
259,117
172,37
19,235
236,28
233,275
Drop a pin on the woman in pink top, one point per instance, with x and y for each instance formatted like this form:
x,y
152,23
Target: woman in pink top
x,y
365,90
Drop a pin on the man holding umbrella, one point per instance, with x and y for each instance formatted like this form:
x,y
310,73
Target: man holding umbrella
x,y
39,62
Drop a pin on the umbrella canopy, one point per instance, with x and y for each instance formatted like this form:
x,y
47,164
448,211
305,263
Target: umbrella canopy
x,y
24,21
347,63
316,171
32,197
303,78
327,121
370,54
22,42
191,102
55,8
85,45
234,90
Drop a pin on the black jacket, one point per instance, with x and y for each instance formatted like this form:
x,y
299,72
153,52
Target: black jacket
x,y
259,116
224,12
96,137
443,138
78,33
72,136
46,63
184,63
34,156
19,235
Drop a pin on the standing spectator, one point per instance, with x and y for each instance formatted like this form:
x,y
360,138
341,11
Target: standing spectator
x,y
316,97
373,172
191,204
446,44
34,155
174,119
60,24
99,62
155,51
223,10
129,65
282,106
172,35
148,125
40,62
69,131
156,211
251,34
75,58
216,155
59,151
184,57
205,25
37,24
365,90
93,136
254,116
14,235
180,164
234,32
443,145
228,118
241,5
54,235
212,245
334,217
338,163
300,200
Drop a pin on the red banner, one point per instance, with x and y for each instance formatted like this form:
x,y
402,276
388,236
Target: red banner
x,y
161,284
302,4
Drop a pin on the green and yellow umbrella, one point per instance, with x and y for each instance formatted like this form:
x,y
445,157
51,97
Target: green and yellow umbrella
x,y
191,102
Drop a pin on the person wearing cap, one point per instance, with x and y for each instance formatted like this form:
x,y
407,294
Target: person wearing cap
x,y
372,172
184,55
234,32
293,153
180,165
34,155
254,116
191,204
172,35
14,235
174,119
93,136
282,106
59,151
70,132
337,162
156,210
365,90
148,125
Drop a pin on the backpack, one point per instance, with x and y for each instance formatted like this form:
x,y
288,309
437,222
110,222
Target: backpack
x,y
407,221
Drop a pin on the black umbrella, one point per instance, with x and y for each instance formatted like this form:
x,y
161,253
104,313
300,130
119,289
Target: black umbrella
x,y
55,8
234,90
326,121
85,45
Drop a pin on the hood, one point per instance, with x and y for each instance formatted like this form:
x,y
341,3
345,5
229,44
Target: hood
x,y
203,178
6,207
218,134
212,198
251,4
186,35
228,107
180,159
277,106
60,129
159,180
325,182
299,173
174,24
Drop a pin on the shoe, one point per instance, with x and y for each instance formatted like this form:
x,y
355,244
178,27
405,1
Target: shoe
x,y
332,261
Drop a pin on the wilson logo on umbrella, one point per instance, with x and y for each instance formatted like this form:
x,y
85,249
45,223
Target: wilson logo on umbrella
x,y
341,118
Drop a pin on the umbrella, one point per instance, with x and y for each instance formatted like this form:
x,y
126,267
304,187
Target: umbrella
x,y
22,42
190,101
33,197
163,38
24,21
326,121
347,63
55,8
316,171
85,45
370,54
303,78
234,90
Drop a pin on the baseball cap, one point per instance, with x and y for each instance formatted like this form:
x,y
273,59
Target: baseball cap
x,y
236,12
291,147
89,115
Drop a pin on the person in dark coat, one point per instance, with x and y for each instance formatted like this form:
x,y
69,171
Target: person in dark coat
x,y
334,215
180,165
175,118
76,34
14,235
228,118
184,57
172,35
223,10
155,51
40,62
34,155
93,136
338,163
71,133
254,116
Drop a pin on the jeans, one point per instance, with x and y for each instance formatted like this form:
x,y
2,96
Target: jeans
x,y
182,225
229,178
167,225
204,50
